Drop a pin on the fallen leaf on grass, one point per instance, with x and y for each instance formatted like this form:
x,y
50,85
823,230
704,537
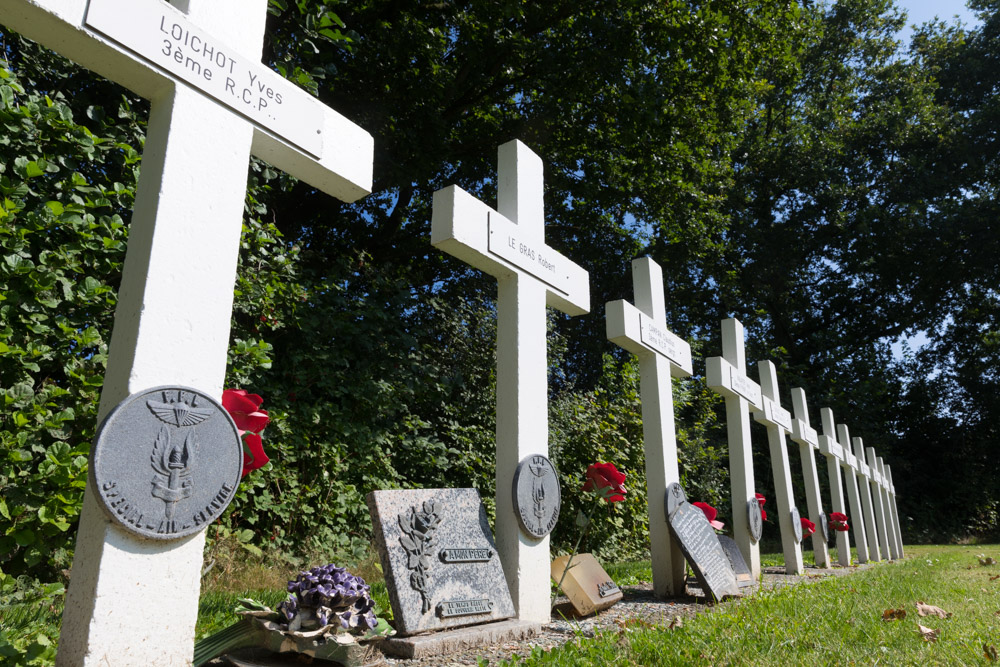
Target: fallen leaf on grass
x,y
990,652
987,560
678,622
931,610
893,614
928,634
995,577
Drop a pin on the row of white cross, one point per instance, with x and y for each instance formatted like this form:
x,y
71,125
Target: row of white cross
x,y
509,244
213,104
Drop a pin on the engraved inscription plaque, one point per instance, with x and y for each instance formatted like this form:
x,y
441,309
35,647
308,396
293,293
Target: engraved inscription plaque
x,y
536,495
465,555
166,462
703,551
755,519
672,498
450,608
824,526
607,588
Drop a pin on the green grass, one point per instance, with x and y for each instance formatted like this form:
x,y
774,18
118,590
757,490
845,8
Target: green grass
x,y
832,621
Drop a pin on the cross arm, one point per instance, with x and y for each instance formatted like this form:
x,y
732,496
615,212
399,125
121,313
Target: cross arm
x,y
729,381
772,413
468,229
802,432
342,163
630,328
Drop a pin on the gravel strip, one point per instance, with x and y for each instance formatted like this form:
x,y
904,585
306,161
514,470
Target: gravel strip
x,y
638,606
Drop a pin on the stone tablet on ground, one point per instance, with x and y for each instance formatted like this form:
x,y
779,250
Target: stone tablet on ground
x,y
702,549
439,558
586,584
743,576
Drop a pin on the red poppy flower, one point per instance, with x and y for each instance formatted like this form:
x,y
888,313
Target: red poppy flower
x,y
710,514
760,501
808,527
838,521
606,480
250,421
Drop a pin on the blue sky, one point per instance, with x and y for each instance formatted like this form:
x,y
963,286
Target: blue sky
x,y
921,11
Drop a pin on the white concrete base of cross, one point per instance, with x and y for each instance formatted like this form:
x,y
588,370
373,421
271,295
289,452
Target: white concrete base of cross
x,y
881,524
509,243
779,424
892,529
834,453
867,504
133,601
808,440
895,512
642,330
850,465
727,376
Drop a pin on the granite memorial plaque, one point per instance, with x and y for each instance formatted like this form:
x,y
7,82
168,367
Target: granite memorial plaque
x,y
536,495
166,462
586,584
672,498
703,551
824,526
744,577
796,525
755,520
439,558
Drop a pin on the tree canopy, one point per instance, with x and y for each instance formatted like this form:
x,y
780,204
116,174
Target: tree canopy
x,y
792,165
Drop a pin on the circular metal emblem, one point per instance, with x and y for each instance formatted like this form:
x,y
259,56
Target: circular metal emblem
x,y
536,495
166,462
672,498
796,524
824,526
755,521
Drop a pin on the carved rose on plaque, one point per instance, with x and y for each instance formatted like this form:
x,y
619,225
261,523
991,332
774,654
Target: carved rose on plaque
x,y
418,541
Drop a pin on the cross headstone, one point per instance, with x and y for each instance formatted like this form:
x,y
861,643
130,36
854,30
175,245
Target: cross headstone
x,y
893,528
808,440
778,422
212,104
834,454
727,376
881,524
642,330
864,491
509,244
895,511
850,465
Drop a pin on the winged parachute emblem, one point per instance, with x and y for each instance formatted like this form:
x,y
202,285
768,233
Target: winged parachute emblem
x,y
179,412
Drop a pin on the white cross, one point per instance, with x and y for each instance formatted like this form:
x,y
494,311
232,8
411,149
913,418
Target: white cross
x,y
779,424
807,438
880,509
509,243
864,491
132,601
642,330
850,465
727,376
834,453
891,488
